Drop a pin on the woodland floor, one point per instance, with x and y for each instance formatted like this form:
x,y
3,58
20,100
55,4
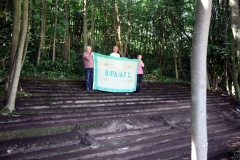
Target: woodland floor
x,y
60,120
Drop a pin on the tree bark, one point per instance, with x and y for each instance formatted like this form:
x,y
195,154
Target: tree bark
x,y
22,37
43,33
85,37
129,29
198,80
235,24
15,36
92,41
55,32
67,34
117,28
27,36
175,56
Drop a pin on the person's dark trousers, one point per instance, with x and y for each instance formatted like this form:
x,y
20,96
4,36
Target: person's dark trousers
x,y
139,82
89,78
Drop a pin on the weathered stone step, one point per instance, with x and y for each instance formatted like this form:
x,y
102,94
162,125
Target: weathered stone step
x,y
39,154
78,118
99,111
150,152
177,154
57,113
31,144
119,149
56,119
166,145
84,101
151,132
71,138
214,150
79,100
51,83
99,97
79,104
103,104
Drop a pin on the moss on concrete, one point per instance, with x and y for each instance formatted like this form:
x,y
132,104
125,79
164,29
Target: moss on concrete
x,y
34,132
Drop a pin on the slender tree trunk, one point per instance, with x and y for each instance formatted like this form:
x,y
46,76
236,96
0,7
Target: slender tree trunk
x,y
225,37
162,67
92,41
234,71
27,36
15,37
67,36
117,28
129,29
85,37
180,57
235,21
198,80
55,32
175,56
22,37
227,77
43,33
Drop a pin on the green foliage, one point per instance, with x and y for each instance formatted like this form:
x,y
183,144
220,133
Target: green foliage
x,y
3,75
57,70
236,153
148,27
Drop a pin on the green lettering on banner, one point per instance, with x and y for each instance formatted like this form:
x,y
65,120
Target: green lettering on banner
x,y
117,74
106,73
112,73
125,74
121,75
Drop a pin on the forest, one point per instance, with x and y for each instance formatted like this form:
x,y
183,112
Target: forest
x,y
45,39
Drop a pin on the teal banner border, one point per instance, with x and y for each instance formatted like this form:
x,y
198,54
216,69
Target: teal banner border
x,y
95,76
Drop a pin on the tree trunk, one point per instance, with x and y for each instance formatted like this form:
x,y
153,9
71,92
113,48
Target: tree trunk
x,y
67,36
85,38
225,37
22,37
117,28
235,24
43,33
55,32
198,80
27,36
175,56
15,36
227,77
92,41
129,29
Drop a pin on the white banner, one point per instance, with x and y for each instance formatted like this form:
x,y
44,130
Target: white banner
x,y
114,74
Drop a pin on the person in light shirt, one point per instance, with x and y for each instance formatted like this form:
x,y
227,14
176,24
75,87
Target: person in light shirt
x,y
115,52
88,65
140,74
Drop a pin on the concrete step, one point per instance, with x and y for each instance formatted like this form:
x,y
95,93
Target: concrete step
x,y
55,120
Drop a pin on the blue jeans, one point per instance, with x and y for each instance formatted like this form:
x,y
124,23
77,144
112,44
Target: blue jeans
x,y
139,82
89,78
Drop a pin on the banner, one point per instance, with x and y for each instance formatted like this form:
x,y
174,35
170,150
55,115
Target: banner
x,y
114,74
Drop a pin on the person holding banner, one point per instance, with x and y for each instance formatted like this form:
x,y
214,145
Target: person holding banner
x,y
140,74
115,52
88,65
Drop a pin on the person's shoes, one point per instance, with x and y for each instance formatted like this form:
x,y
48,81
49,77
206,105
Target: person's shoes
x,y
87,89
